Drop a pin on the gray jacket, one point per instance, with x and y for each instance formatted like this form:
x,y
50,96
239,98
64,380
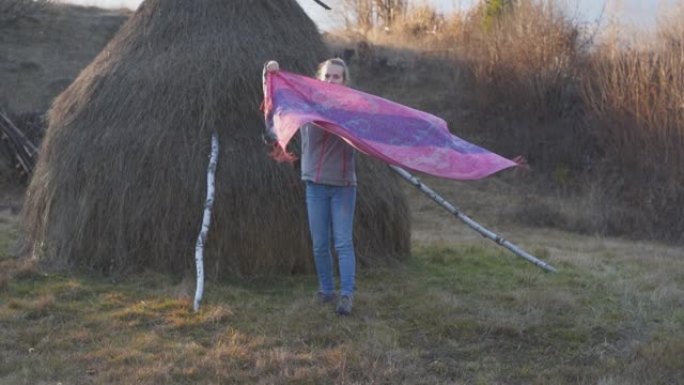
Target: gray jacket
x,y
326,158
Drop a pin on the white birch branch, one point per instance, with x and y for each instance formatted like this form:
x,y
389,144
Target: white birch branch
x,y
206,221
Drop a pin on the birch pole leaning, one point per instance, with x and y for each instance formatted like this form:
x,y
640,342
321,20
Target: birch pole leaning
x,y
206,221
470,222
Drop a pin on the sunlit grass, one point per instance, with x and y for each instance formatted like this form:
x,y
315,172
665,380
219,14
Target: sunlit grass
x,y
459,312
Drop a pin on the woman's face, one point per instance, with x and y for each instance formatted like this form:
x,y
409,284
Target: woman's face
x,y
332,73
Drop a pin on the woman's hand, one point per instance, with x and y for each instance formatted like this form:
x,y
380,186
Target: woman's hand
x,y
272,66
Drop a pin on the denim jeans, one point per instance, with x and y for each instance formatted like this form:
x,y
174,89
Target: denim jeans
x,y
331,213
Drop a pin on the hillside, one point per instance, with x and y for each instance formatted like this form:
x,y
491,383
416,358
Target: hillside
x,y
40,56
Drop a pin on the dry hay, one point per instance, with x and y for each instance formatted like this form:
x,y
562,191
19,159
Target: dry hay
x,y
120,183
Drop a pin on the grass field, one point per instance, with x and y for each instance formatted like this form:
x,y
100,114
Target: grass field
x,y
462,311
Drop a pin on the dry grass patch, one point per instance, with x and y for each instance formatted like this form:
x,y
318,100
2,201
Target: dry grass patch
x,y
461,311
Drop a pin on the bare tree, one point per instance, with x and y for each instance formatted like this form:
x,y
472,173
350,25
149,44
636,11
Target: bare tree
x,y
368,14
358,14
387,11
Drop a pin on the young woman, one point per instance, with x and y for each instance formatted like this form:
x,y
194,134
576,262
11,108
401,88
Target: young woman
x,y
329,171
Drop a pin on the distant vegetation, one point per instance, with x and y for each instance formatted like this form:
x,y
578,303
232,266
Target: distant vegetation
x,y
13,10
602,120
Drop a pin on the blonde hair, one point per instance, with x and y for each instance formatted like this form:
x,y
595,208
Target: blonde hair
x,y
338,62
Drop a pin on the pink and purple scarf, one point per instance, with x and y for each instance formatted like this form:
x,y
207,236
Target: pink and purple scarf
x,y
377,127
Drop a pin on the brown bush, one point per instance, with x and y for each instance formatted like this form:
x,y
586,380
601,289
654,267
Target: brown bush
x,y
636,97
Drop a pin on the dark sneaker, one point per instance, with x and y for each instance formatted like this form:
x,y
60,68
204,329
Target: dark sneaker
x,y
344,305
325,298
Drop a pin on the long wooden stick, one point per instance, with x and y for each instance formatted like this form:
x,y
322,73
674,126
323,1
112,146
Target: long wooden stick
x,y
206,221
470,222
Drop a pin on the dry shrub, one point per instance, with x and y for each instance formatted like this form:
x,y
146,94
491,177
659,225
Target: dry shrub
x,y
522,69
120,182
517,70
420,22
412,33
636,96
527,55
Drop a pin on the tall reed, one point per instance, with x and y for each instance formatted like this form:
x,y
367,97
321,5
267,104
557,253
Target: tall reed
x,y
636,99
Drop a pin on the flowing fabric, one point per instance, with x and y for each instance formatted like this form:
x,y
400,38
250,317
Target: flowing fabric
x,y
380,128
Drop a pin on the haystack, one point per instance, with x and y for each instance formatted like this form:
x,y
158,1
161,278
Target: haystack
x,y
120,182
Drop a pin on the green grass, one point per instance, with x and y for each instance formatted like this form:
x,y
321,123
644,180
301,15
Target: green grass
x,y
455,314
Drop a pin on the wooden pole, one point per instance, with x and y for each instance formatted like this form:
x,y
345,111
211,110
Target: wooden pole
x,y
470,222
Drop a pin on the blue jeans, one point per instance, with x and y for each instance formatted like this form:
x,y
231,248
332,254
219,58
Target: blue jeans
x,y
331,212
